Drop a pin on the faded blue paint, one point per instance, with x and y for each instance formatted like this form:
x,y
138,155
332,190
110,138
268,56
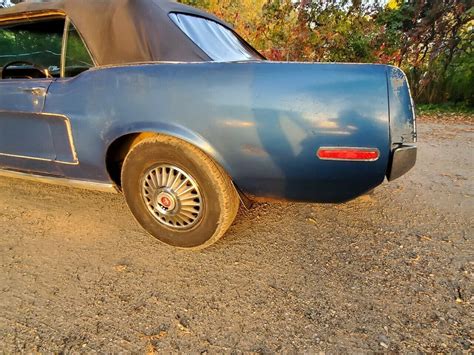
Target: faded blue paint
x,y
262,121
403,129
23,132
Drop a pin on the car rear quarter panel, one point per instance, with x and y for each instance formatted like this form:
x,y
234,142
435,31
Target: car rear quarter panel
x,y
402,115
263,122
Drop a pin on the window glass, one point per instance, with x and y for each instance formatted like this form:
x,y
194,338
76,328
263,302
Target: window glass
x,y
218,42
38,43
78,58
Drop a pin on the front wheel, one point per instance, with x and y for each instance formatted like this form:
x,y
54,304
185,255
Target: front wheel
x,y
177,193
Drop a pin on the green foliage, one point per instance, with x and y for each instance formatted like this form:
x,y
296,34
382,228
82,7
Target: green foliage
x,y
453,108
76,53
460,78
35,47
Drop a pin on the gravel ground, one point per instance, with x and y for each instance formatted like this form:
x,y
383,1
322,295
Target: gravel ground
x,y
389,271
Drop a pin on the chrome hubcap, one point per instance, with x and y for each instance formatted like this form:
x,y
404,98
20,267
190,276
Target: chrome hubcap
x,y
166,202
172,196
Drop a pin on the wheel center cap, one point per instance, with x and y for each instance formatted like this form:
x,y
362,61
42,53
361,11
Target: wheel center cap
x,y
166,201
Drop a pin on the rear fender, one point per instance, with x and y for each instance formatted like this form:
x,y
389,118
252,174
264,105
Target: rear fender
x,y
170,129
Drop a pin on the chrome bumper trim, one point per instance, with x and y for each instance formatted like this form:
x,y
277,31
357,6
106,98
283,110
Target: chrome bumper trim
x,y
403,160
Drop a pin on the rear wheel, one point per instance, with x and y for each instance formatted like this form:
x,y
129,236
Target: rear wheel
x,y
177,193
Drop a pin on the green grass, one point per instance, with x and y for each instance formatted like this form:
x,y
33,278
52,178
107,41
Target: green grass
x,y
447,108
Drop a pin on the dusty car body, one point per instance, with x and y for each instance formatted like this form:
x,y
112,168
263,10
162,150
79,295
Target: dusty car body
x,y
317,132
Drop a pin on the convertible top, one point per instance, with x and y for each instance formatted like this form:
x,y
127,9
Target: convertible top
x,y
123,31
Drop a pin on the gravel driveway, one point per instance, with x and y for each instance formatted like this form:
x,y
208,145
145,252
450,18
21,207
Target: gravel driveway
x,y
389,271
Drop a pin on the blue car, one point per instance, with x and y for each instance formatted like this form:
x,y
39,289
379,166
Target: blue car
x,y
170,106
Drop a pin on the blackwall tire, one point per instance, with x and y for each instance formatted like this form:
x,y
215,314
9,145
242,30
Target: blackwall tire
x,y
177,193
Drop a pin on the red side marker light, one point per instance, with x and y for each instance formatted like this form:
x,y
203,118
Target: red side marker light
x,y
348,154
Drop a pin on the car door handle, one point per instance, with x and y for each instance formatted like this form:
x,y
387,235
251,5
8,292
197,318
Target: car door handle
x,y
35,91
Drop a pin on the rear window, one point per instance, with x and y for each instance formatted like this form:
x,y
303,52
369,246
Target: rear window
x,y
218,42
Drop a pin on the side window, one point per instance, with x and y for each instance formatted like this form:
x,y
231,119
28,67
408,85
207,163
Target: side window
x,y
78,58
38,43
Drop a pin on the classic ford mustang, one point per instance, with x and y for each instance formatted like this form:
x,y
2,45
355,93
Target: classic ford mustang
x,y
170,106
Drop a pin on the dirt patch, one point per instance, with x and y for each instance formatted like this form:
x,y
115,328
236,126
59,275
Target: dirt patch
x,y
455,117
389,271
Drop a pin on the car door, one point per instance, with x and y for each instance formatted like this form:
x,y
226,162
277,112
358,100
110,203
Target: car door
x,y
27,134
24,132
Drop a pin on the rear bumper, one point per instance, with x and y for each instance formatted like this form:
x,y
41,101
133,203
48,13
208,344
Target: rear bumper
x,y
403,159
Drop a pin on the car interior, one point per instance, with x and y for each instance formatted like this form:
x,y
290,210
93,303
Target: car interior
x,y
32,50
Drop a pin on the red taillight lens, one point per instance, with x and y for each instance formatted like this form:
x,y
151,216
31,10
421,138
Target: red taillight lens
x,y
349,154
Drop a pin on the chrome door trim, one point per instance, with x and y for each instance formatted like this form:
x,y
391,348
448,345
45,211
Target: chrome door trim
x,y
69,133
81,184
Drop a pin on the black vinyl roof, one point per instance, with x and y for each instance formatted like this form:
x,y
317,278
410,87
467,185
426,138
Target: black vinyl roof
x,y
123,31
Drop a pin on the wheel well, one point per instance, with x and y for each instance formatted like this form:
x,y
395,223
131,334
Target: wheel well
x,y
117,152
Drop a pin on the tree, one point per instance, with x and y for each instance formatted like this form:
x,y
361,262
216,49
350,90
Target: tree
x,y
432,37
